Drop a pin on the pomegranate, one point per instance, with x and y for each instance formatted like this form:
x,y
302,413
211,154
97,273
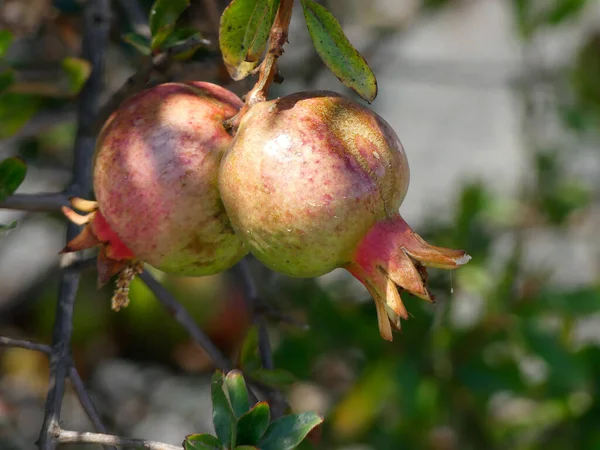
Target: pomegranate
x,y
156,183
313,182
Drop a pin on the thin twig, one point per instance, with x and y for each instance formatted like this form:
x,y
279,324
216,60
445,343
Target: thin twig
x,y
95,41
187,321
254,302
86,402
27,345
59,359
51,202
276,399
76,381
75,437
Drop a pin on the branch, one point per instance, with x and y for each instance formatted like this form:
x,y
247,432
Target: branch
x,y
254,303
183,317
75,437
86,401
268,72
76,380
258,310
27,345
95,41
36,202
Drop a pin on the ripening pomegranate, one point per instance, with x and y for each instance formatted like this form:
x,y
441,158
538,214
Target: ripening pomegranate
x,y
313,182
155,178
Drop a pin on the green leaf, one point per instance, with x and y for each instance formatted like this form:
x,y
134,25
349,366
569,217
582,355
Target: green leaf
x,y
139,42
201,442
249,354
287,432
243,34
246,447
332,45
181,35
163,16
564,10
7,228
78,71
238,393
6,79
274,377
224,418
15,111
6,39
252,425
12,174
257,33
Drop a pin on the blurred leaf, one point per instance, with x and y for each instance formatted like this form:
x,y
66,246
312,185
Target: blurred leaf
x,y
6,39
223,416
163,16
564,10
483,380
578,302
141,43
273,377
332,45
181,35
6,79
243,34
359,409
252,425
78,70
201,442
522,11
249,353
7,228
287,432
246,447
15,111
12,174
237,392
566,370
584,77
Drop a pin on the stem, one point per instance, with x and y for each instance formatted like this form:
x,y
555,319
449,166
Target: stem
x,y
268,68
35,202
76,381
75,437
187,321
95,43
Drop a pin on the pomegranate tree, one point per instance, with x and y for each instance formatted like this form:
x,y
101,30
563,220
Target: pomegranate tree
x,y
313,182
155,179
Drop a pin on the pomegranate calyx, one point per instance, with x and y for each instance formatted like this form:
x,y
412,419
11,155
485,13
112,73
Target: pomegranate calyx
x,y
114,256
393,258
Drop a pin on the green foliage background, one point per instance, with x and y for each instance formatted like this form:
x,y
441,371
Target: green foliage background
x,y
518,376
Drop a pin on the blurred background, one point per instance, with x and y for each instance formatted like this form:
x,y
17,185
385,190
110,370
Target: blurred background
x,y
497,103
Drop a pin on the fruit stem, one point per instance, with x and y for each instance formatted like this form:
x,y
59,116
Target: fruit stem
x,y
268,72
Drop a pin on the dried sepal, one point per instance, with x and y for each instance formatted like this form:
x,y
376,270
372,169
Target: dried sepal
x,y
393,258
120,298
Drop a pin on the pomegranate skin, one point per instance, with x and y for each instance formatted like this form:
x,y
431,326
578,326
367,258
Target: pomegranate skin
x,y
155,177
307,176
313,182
